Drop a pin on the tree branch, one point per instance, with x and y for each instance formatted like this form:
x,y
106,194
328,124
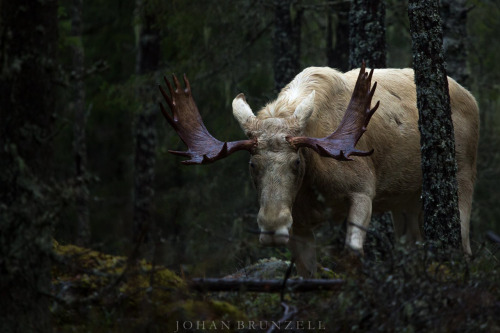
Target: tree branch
x,y
263,286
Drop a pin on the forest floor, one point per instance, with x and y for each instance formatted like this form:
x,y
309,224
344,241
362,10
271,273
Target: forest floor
x,y
400,290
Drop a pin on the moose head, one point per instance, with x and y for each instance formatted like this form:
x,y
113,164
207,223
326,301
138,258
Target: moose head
x,y
277,163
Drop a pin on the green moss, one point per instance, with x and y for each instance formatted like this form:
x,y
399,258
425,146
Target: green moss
x,y
99,292
326,273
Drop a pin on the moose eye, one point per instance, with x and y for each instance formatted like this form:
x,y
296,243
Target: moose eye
x,y
252,165
296,163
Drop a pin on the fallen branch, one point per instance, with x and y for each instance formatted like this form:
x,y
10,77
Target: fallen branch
x,y
263,286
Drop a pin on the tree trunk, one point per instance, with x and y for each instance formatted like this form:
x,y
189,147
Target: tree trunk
x,y
367,43
337,53
79,140
148,58
454,15
367,34
439,188
286,42
29,35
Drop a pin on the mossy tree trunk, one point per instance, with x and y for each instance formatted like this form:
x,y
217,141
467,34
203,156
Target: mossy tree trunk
x,y
286,41
337,46
147,61
454,16
29,34
79,127
367,34
439,167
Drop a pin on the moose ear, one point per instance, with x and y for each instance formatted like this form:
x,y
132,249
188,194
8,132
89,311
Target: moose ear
x,y
305,109
242,111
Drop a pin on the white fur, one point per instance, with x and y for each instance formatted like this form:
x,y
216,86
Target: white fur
x,y
242,111
305,109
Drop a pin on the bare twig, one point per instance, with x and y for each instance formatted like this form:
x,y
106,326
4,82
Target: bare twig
x,y
285,279
493,237
290,311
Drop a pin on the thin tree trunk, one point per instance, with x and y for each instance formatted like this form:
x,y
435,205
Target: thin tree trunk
x,y
79,140
439,168
286,42
367,42
148,57
454,16
367,34
29,35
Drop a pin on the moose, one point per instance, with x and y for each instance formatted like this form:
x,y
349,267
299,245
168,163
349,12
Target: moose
x,y
311,143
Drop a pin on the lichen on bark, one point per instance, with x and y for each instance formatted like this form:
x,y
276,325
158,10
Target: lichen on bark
x,y
367,34
439,168
454,15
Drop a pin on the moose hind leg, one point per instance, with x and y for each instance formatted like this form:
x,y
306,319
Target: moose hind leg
x,y
408,224
465,192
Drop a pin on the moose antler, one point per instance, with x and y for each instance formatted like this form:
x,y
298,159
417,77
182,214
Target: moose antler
x,y
340,144
186,120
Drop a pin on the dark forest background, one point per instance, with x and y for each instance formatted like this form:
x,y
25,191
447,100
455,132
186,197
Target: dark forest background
x,y
83,154
199,214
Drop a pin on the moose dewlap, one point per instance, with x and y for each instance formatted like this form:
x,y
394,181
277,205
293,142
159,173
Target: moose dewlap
x,y
312,139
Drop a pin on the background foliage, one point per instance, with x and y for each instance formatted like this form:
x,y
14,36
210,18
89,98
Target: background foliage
x,y
202,213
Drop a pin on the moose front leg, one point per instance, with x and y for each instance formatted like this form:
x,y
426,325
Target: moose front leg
x,y
303,247
307,214
358,219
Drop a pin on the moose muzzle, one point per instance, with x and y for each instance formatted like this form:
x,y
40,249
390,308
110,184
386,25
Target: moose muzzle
x,y
274,227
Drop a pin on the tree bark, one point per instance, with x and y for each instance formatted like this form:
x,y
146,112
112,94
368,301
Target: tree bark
x,y
454,16
367,34
286,42
148,58
80,124
29,36
439,188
